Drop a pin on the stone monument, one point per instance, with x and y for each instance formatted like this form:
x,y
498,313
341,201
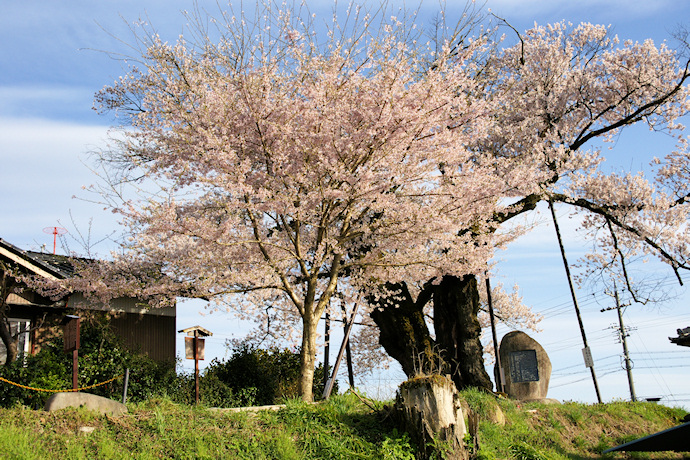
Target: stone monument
x,y
526,367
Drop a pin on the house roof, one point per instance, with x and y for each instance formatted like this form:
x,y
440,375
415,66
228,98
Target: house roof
x,y
674,439
683,338
48,265
60,264
201,331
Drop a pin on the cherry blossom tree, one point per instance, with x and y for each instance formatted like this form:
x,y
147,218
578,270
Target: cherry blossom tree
x,y
570,89
274,165
278,165
556,96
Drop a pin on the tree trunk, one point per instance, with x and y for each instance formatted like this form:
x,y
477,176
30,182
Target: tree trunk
x,y
456,305
7,284
7,340
457,350
308,357
429,409
403,333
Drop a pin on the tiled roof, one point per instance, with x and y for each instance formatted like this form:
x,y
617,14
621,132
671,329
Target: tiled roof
x,y
60,264
57,265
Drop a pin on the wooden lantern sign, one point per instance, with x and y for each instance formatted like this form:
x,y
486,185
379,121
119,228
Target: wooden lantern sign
x,y
194,349
195,335
71,333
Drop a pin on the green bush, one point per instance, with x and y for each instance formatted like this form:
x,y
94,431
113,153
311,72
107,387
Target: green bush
x,y
257,376
102,356
251,376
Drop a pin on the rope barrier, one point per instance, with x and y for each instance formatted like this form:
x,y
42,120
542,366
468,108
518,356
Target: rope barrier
x,y
60,391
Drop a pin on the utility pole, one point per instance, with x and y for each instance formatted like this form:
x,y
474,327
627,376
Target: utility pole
x,y
586,352
623,334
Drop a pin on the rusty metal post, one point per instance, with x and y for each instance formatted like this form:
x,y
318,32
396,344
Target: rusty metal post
x,y
75,370
71,344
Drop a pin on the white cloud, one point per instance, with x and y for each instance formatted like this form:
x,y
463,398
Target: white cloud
x,y
42,171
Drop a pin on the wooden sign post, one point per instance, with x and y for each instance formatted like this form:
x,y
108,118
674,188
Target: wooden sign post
x,y
71,339
194,349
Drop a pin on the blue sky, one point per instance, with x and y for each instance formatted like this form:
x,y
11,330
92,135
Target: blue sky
x,y
53,59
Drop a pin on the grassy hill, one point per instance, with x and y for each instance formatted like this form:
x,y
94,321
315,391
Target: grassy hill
x,y
346,427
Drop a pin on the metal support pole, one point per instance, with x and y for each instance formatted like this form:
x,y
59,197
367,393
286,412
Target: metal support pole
x,y
124,387
586,351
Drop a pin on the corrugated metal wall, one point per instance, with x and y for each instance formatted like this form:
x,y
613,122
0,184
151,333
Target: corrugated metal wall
x,y
151,335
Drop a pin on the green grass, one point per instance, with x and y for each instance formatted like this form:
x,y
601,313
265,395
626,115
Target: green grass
x,y
570,430
343,428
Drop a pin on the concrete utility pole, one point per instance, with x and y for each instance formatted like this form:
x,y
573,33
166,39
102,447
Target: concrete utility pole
x,y
623,334
586,352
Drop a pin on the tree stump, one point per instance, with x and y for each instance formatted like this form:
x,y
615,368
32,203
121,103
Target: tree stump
x,y
429,410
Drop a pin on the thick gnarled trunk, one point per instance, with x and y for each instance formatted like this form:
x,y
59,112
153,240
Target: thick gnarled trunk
x,y
402,330
457,350
456,306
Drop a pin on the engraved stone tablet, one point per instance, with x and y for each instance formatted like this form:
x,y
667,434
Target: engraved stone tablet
x,y
523,366
526,367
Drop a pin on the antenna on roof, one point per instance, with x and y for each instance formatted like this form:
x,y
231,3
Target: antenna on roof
x,y
55,231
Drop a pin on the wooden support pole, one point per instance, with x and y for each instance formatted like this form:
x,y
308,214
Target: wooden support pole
x,y
329,384
500,386
326,349
348,360
348,351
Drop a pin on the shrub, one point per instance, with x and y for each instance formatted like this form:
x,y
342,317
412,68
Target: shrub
x,y
258,376
251,376
102,356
